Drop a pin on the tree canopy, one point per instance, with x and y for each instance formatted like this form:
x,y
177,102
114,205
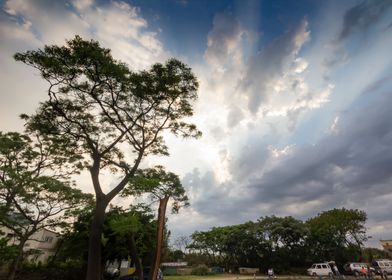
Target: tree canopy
x,y
162,186
284,242
108,115
35,193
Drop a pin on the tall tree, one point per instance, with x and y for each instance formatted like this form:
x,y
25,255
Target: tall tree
x,y
334,232
162,186
32,196
286,237
112,116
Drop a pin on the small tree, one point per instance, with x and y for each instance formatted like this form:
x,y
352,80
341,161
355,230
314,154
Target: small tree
x,y
112,116
30,199
162,186
182,243
123,226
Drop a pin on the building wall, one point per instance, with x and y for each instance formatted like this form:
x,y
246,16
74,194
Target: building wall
x,y
43,242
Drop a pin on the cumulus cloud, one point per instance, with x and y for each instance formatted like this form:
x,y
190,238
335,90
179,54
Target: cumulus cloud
x,y
271,64
81,5
350,168
32,24
274,83
117,25
224,43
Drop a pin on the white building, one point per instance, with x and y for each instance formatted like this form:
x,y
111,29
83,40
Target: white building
x,y
41,244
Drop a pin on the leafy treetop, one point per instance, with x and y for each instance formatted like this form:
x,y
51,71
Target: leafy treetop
x,y
101,108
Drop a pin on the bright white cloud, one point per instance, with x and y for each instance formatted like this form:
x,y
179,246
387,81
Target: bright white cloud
x,y
81,5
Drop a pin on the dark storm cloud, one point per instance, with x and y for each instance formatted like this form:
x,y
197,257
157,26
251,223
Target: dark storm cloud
x,y
252,158
352,166
362,16
211,199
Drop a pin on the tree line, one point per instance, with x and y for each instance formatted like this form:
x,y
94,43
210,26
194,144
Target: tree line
x,y
284,243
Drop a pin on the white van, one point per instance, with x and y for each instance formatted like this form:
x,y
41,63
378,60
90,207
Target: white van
x,y
320,269
382,266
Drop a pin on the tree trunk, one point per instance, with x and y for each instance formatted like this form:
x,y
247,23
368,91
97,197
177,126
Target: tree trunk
x,y
158,251
94,251
135,257
16,262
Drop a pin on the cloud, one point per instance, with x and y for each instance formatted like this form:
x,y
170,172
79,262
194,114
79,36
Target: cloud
x,y
117,25
265,69
274,82
82,5
224,43
351,168
363,15
32,24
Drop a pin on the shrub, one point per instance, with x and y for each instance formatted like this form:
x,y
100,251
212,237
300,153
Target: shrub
x,y
201,269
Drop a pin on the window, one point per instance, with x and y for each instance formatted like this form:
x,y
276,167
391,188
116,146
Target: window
x,y
318,266
324,266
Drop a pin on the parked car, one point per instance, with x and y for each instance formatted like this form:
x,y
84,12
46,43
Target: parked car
x,y
320,269
355,268
382,267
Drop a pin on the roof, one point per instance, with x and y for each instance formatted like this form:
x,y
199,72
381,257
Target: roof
x,y
174,264
386,244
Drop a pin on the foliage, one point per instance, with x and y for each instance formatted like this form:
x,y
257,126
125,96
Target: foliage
x,y
95,103
283,243
337,234
159,184
109,116
34,191
162,186
286,239
120,223
201,270
7,252
30,199
72,248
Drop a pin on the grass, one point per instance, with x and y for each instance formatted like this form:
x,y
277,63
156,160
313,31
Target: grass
x,y
201,277
228,277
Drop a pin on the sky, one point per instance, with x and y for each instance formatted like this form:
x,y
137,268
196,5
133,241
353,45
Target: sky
x,y
294,99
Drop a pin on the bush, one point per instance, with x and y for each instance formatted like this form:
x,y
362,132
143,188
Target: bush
x,y
201,270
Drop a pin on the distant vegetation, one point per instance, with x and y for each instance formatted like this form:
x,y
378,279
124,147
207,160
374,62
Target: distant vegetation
x,y
287,244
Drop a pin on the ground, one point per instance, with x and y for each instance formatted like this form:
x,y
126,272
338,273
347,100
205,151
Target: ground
x,y
250,277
